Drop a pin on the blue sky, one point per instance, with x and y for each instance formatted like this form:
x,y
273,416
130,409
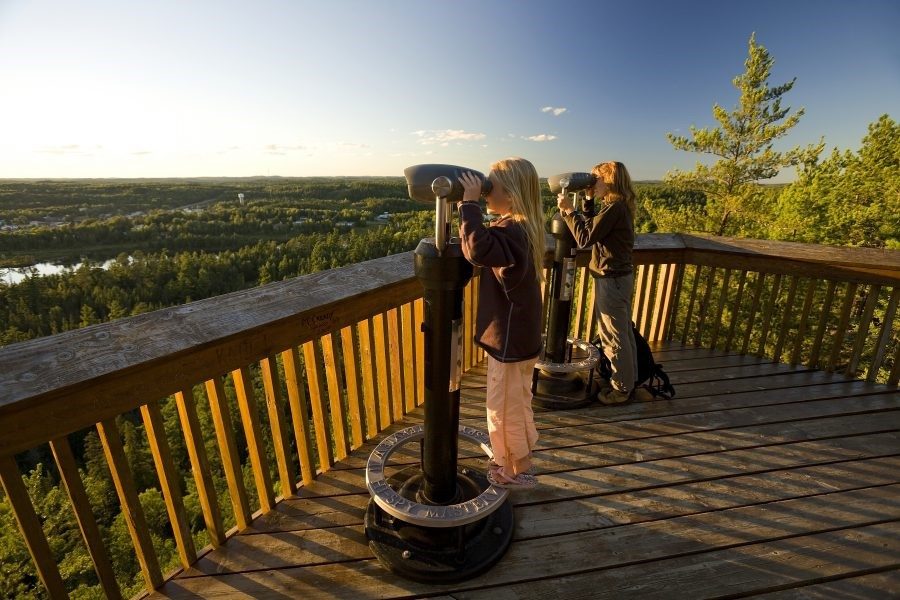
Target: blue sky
x,y
296,88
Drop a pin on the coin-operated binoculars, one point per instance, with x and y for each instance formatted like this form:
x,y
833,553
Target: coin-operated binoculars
x,y
436,522
558,381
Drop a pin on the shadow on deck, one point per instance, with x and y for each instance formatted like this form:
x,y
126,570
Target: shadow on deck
x,y
759,479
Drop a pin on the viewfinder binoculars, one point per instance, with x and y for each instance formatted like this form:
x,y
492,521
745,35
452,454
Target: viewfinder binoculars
x,y
419,179
571,182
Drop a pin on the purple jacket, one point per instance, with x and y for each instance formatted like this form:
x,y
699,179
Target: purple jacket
x,y
508,325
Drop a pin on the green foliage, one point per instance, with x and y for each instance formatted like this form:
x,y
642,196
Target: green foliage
x,y
743,145
849,198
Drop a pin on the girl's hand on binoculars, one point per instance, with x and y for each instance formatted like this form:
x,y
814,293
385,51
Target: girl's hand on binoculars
x,y
471,186
564,202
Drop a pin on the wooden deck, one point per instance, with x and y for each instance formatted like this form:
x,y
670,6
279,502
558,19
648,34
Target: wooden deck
x,y
759,479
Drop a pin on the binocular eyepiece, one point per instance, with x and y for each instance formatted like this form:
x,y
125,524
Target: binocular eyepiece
x,y
571,182
419,180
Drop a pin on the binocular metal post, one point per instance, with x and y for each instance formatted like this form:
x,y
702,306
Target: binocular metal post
x,y
436,522
556,382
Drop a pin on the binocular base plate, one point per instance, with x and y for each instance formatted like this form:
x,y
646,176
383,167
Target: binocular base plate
x,y
557,393
439,554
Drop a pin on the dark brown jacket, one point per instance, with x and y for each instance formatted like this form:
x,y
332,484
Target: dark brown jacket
x,y
508,325
611,232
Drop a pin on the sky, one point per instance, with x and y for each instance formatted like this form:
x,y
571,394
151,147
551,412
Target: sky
x,y
211,88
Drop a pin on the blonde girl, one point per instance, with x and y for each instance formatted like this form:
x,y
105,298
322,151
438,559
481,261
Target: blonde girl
x,y
507,326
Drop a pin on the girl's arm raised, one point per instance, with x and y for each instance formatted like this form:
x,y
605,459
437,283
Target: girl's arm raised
x,y
483,246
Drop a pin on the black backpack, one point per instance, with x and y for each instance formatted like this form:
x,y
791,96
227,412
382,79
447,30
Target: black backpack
x,y
650,374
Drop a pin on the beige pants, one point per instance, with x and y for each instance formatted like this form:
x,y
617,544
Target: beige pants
x,y
612,304
510,419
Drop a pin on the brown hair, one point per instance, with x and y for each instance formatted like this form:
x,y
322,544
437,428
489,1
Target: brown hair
x,y
616,177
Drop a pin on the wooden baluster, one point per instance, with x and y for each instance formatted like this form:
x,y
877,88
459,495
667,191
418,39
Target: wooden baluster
x,y
479,351
349,343
131,505
720,309
785,320
468,325
383,375
820,328
545,292
81,505
884,337
31,529
335,398
419,314
767,315
409,358
396,362
317,402
646,314
754,307
704,306
590,317
249,411
663,294
367,366
206,490
894,376
671,313
290,358
736,310
864,322
690,310
637,303
275,408
231,463
838,337
169,482
579,308
804,316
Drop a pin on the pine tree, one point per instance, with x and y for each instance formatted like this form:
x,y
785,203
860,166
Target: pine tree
x,y
743,143
849,198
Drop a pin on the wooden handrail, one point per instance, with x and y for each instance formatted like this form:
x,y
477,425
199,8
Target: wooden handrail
x,y
59,384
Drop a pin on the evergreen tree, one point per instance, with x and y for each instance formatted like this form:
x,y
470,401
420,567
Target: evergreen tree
x,y
848,199
743,145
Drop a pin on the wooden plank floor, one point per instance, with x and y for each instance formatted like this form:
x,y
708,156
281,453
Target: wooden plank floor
x,y
757,480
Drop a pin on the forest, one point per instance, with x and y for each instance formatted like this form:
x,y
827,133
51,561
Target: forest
x,y
175,241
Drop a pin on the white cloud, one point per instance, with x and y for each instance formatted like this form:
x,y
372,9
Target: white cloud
x,y
555,110
63,149
541,137
280,150
352,145
445,136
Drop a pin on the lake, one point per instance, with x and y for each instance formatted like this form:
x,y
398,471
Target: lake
x,y
18,274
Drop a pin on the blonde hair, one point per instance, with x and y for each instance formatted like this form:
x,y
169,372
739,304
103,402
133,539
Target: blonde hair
x,y
520,180
616,177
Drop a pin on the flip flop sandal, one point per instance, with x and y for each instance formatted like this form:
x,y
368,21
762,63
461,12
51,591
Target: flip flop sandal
x,y
492,466
501,478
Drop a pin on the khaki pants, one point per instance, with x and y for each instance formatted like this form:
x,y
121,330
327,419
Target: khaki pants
x,y
510,419
612,305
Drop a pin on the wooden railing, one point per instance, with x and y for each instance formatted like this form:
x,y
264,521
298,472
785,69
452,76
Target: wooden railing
x,y
314,367
827,308
294,375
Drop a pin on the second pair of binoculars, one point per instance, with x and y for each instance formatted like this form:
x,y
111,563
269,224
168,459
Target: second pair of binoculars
x,y
573,181
425,182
